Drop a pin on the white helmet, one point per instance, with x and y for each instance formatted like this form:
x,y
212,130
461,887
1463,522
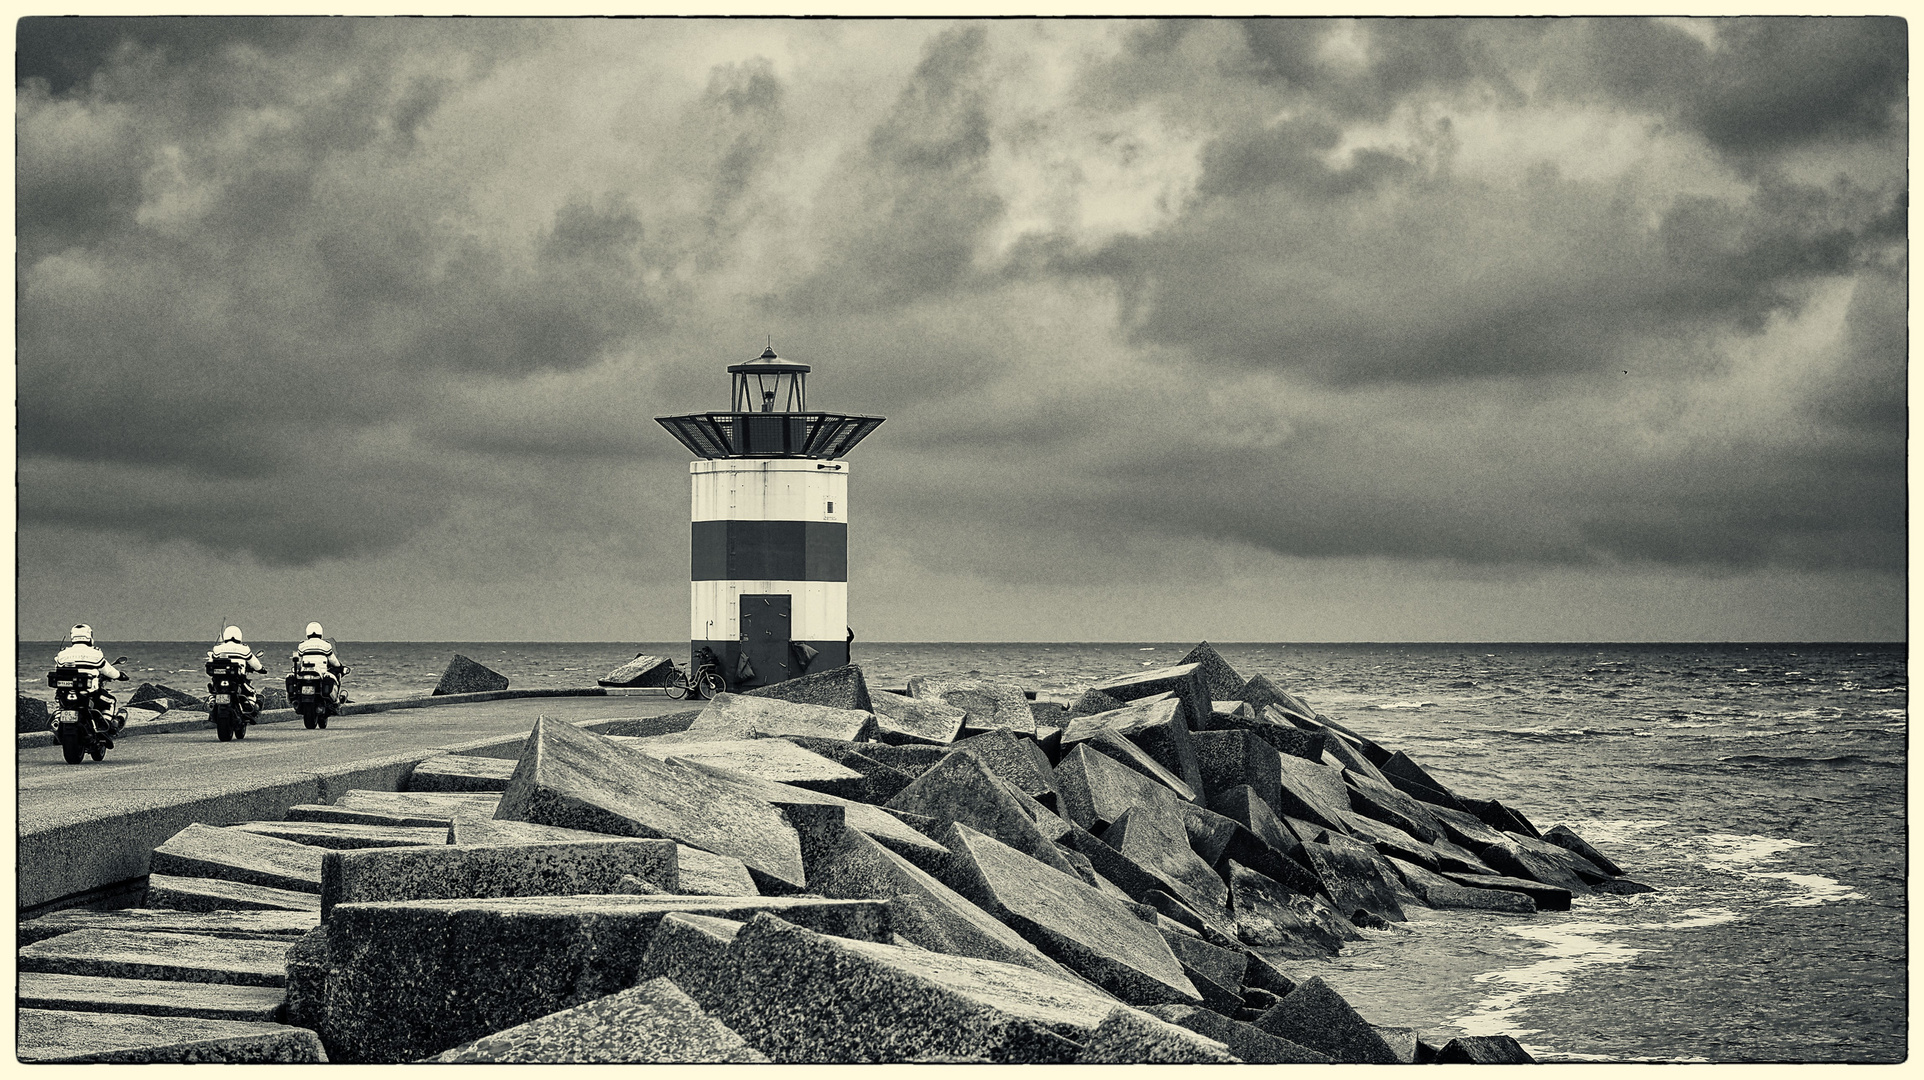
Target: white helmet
x,y
81,634
232,633
314,630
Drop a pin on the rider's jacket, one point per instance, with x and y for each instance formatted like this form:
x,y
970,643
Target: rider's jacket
x,y
234,650
315,654
89,661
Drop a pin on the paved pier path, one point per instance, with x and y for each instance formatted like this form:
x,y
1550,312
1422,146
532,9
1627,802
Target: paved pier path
x,y
150,781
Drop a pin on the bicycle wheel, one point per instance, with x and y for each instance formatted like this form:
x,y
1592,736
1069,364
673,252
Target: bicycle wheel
x,y
677,689
711,684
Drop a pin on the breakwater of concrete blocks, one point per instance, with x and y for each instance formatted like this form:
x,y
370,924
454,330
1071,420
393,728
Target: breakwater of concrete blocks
x,y
815,872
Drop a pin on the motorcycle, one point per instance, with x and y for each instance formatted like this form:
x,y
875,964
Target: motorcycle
x,y
227,699
312,693
82,729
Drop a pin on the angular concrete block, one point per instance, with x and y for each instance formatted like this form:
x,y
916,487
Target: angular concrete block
x,y
1218,677
1247,1042
464,676
1016,759
212,894
1413,780
877,783
740,716
1546,897
1159,727
1440,892
988,704
963,789
131,954
1464,828
809,997
1153,837
1230,759
692,952
379,875
579,780
340,836
1120,749
643,670
408,980
1484,1050
904,720
1096,789
283,926
460,773
1312,792
1319,1018
873,820
1132,1037
1514,860
653,1023
1349,872
321,812
148,997
1264,691
836,688
1563,837
1074,924
1390,840
433,805
205,851
1270,916
777,760
47,1037
1092,702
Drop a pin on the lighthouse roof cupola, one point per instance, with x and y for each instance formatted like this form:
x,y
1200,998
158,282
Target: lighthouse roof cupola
x,y
769,383
768,417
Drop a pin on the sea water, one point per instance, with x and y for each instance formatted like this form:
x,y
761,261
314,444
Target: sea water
x,y
1759,788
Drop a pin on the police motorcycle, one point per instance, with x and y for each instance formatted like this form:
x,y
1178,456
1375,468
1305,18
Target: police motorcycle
x,y
78,722
311,689
227,698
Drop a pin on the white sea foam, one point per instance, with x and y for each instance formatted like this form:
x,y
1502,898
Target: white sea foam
x,y
1817,889
1401,705
1728,851
1614,830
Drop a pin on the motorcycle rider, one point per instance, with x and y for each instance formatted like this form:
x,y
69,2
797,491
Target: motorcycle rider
x,y
232,647
81,655
315,654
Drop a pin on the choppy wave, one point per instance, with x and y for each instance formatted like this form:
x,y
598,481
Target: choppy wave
x,y
1841,761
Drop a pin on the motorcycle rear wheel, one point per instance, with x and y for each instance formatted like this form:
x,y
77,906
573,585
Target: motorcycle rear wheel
x,y
307,719
222,727
70,747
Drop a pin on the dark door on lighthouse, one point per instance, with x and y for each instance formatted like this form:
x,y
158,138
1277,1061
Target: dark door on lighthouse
x,y
765,635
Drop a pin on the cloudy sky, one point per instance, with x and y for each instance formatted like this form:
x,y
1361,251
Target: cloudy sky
x,y
1279,330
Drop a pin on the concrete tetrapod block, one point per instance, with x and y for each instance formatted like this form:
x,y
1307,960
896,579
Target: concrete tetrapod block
x,y
48,1037
1185,681
131,954
1218,677
987,703
647,1024
455,873
1018,760
212,894
739,716
1484,1050
205,851
846,864
767,759
806,997
341,836
1270,916
1073,923
459,772
283,926
1349,871
1317,1017
963,789
1159,727
1119,748
904,720
1154,838
835,688
1248,1042
148,997
579,780
408,980
1440,892
1564,837
1133,1037
464,676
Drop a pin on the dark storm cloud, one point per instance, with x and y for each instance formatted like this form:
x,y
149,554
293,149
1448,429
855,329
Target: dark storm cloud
x,y
66,50
1768,83
1405,56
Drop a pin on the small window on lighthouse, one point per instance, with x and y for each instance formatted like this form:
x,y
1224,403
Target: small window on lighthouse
x,y
831,506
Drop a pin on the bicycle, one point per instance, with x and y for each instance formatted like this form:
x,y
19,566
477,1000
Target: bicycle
x,y
705,685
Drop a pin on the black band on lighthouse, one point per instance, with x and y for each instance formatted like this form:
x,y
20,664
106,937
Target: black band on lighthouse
x,y
768,551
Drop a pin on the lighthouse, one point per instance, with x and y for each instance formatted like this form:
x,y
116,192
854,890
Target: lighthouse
x,y
768,526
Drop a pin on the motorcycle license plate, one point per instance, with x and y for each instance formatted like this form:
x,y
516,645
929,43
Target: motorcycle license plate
x,y
307,689
64,682
224,699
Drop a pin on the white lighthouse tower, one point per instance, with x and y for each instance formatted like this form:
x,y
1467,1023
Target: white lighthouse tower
x,y
768,529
